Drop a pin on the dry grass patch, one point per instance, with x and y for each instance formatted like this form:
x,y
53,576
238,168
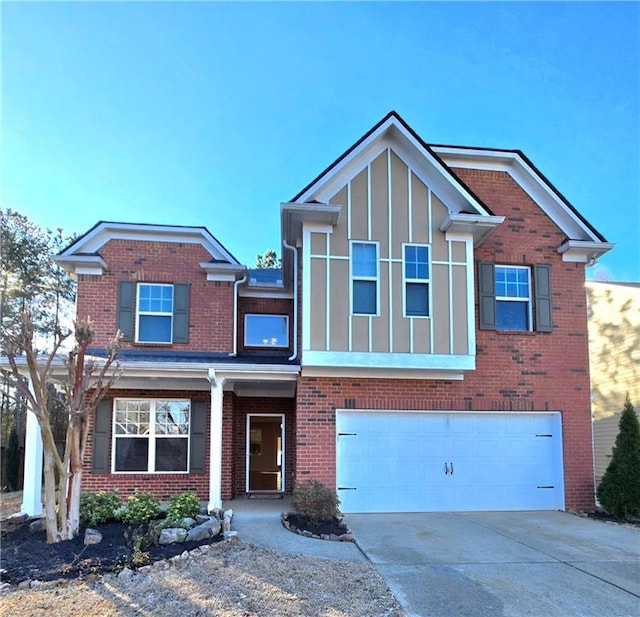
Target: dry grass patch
x,y
230,580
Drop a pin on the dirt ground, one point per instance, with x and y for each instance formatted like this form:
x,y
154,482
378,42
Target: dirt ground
x,y
228,579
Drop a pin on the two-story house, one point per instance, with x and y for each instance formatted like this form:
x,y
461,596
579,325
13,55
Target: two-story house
x,y
424,346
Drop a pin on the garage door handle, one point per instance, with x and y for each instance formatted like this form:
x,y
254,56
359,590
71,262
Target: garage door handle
x,y
451,468
446,469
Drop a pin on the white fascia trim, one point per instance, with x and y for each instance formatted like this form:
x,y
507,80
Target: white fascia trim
x,y
82,264
93,241
381,373
276,293
400,361
578,251
222,272
306,289
475,225
392,135
539,191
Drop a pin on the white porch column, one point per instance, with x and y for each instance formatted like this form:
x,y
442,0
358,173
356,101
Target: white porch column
x,y
32,490
215,454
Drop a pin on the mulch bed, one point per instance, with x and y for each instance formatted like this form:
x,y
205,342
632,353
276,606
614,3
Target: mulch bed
x,y
25,555
602,516
333,526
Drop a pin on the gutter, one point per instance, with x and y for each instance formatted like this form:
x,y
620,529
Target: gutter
x,y
294,355
236,285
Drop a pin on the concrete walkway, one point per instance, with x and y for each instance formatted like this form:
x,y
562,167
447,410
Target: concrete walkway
x,y
507,564
257,521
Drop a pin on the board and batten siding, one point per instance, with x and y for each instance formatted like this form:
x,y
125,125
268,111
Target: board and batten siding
x,y
388,204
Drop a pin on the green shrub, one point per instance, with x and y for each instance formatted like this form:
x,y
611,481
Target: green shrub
x,y
619,490
315,501
140,508
182,506
100,507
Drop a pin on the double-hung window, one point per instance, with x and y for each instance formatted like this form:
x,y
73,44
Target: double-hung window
x,y
155,313
151,435
416,280
266,330
364,278
513,298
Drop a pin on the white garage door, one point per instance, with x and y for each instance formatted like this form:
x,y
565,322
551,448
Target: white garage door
x,y
427,462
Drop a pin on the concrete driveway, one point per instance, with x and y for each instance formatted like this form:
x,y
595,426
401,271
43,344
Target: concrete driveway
x,y
512,564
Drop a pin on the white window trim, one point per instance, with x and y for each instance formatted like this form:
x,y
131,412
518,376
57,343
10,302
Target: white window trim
x,y
375,279
286,320
151,437
406,280
528,300
154,313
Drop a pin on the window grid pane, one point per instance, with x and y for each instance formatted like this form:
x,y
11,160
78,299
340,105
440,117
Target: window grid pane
x,y
144,426
416,262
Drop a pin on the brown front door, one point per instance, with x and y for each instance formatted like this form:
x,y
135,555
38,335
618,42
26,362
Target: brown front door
x,y
265,446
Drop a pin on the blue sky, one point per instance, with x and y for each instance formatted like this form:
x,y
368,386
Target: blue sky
x,y
214,113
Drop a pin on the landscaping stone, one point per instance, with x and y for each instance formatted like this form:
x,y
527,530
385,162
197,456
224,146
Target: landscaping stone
x,y
208,529
18,519
92,536
188,522
126,574
172,535
37,525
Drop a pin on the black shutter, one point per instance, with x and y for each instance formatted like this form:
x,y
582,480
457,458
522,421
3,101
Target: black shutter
x,y
198,437
487,293
126,308
102,437
542,276
181,313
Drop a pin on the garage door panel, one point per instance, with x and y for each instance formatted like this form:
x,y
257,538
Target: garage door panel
x,y
415,461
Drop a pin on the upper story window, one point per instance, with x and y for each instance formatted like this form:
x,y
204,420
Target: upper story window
x,y
155,313
416,280
266,330
151,435
364,278
513,298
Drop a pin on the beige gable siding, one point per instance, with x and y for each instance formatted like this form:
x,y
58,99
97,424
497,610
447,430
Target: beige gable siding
x,y
388,204
614,357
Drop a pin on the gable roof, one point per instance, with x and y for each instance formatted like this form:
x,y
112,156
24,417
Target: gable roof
x,y
444,159
82,255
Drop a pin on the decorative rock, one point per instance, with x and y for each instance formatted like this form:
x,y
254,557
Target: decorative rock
x,y
205,530
204,548
144,569
35,584
37,525
24,584
172,535
126,574
188,522
333,537
185,555
92,536
18,518
202,518
92,577
230,534
5,587
346,537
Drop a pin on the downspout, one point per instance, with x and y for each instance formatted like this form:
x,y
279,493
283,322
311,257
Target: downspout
x,y
294,355
236,285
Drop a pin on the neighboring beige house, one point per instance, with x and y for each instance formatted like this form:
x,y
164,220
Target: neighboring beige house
x,y
614,350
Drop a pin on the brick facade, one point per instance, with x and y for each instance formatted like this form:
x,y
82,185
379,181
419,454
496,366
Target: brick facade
x,y
514,372
211,302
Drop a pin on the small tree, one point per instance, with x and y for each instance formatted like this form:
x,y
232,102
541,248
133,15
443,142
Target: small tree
x,y
86,382
619,490
270,259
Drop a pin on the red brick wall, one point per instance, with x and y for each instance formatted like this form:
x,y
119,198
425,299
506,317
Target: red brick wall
x,y
271,306
211,302
234,418
519,372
